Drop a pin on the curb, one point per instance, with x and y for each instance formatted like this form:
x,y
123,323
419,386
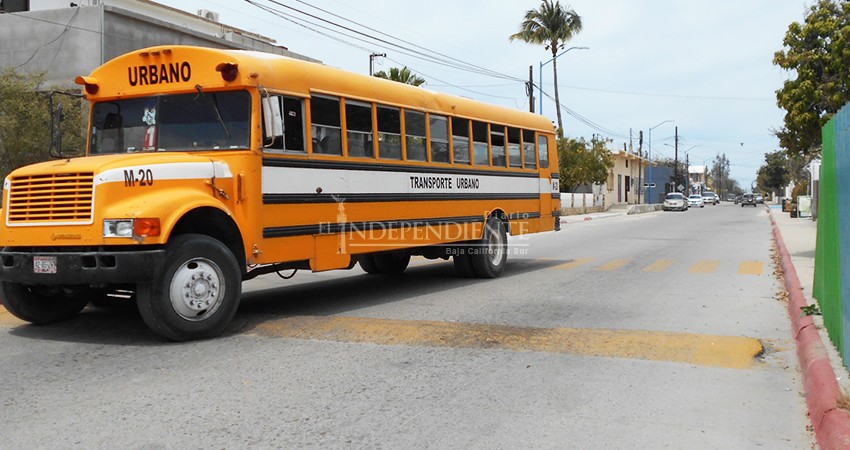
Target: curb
x,y
832,425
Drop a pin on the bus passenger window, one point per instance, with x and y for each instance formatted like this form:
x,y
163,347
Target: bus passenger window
x,y
480,150
460,140
414,132
358,124
389,132
291,136
439,138
528,149
543,144
497,143
326,126
514,152
293,124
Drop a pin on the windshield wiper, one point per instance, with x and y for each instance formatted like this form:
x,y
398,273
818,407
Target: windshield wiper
x,y
214,104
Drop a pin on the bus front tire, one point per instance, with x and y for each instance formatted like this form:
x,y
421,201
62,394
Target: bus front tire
x,y
491,253
42,305
196,294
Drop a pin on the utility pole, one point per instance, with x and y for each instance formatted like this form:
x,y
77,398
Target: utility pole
x,y
529,89
372,61
640,164
676,162
688,178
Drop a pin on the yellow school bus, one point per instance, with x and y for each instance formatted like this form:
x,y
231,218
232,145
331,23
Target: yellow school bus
x,y
205,168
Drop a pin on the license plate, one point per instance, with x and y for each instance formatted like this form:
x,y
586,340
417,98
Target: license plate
x,y
44,264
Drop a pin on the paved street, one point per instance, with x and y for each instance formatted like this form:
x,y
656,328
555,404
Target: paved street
x,y
659,330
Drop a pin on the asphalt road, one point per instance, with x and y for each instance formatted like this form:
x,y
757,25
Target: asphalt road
x,y
660,330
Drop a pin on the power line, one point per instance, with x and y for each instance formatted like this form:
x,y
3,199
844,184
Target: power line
x,y
369,39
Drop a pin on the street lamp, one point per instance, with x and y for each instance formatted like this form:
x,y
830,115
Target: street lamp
x,y
649,184
540,87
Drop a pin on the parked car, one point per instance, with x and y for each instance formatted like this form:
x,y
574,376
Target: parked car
x,y
710,197
675,201
748,199
738,199
759,199
696,200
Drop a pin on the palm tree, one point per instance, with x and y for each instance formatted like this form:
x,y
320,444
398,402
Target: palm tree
x,y
403,75
551,25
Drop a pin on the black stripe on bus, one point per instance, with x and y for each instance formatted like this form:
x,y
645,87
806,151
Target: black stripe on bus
x,y
377,167
287,199
336,228
556,213
524,216
556,175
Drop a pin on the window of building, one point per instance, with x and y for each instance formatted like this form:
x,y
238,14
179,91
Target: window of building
x,y
358,125
389,132
440,138
414,135
480,150
325,125
529,156
460,140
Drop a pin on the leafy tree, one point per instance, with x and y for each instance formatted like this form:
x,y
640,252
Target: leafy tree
x,y
817,52
583,162
25,121
551,25
403,75
720,169
773,176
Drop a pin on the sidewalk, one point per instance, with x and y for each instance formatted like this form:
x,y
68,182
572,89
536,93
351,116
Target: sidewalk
x,y
824,375
614,211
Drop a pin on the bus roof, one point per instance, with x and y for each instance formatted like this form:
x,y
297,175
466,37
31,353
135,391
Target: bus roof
x,y
176,68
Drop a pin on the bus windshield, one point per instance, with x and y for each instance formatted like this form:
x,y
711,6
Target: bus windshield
x,y
184,122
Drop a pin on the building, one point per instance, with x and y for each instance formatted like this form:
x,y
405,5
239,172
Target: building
x,y
626,179
698,179
65,39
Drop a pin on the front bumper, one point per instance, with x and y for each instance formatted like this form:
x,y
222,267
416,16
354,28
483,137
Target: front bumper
x,y
86,267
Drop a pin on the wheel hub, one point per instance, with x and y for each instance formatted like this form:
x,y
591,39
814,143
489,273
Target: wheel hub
x,y
197,289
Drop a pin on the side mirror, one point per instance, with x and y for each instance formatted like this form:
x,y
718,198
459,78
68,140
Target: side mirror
x,y
272,119
56,118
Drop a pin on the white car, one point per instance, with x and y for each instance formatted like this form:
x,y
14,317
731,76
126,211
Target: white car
x,y
696,200
675,202
710,197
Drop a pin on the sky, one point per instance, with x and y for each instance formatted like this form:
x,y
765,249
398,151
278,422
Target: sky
x,y
704,65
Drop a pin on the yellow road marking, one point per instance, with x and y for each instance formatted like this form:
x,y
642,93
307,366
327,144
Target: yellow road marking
x,y
705,266
614,265
660,266
8,320
751,268
699,349
573,264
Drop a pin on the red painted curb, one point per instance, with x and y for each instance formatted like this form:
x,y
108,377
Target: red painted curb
x,y
832,425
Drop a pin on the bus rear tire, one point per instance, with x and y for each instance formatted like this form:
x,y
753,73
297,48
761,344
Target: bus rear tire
x,y
368,264
463,262
196,294
491,253
42,305
385,263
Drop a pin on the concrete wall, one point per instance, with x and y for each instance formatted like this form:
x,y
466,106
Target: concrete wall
x,y
61,43
67,42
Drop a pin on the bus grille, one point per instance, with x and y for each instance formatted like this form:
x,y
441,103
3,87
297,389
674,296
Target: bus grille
x,y
65,197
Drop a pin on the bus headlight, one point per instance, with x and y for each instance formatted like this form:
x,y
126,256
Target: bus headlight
x,y
127,228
